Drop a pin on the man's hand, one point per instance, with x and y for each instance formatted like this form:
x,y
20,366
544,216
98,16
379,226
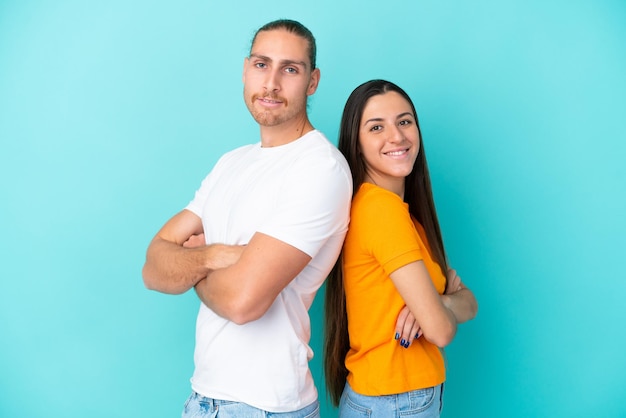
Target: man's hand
x,y
223,256
195,241
170,267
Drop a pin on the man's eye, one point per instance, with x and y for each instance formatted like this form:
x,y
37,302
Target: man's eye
x,y
291,70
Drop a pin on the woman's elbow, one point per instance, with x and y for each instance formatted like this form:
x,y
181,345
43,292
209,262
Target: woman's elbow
x,y
442,336
472,305
474,310
470,312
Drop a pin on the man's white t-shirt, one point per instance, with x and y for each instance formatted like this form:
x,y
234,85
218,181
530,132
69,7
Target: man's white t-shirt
x,y
298,193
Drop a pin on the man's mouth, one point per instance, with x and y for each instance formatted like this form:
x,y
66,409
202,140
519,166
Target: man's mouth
x,y
269,100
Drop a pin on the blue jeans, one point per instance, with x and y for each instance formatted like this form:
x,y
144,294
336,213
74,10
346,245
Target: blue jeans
x,y
198,406
422,403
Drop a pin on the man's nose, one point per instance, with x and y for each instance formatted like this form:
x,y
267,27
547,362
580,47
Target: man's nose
x,y
272,81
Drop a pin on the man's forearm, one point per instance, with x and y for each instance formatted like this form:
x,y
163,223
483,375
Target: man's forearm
x,y
244,281
172,269
225,292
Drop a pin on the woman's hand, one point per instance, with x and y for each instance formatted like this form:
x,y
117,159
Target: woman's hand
x,y
407,328
453,284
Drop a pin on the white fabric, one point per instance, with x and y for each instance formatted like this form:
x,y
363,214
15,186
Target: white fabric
x,y
300,194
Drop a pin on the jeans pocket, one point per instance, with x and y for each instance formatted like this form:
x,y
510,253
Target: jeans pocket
x,y
198,407
420,401
350,408
441,398
315,413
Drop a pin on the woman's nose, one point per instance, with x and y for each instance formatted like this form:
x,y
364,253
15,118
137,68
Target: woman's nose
x,y
396,135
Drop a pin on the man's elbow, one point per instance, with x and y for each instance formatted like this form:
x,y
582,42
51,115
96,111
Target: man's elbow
x,y
151,282
241,318
242,311
148,281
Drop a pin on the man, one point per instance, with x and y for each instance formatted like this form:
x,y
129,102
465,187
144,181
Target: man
x,y
273,216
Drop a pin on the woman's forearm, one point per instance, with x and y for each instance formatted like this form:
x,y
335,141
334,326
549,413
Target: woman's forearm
x,y
462,303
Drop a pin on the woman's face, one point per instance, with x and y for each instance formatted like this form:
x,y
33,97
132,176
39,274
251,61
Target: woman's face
x,y
389,140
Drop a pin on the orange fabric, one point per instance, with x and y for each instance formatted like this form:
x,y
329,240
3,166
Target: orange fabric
x,y
382,238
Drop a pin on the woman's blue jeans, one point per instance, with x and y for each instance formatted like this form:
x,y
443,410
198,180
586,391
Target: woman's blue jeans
x,y
198,406
422,403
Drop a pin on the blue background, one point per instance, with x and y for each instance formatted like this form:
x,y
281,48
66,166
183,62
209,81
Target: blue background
x,y
111,113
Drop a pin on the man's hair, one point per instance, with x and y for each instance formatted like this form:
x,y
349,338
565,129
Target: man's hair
x,y
291,26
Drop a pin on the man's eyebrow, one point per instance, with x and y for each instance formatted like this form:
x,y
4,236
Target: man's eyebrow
x,y
281,62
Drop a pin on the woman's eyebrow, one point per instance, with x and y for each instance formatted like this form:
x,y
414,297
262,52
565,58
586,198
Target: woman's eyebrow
x,y
373,120
401,115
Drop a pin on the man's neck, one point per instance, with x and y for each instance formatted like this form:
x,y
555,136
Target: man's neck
x,y
274,136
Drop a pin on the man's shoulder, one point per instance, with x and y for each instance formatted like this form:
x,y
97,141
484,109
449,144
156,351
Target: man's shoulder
x,y
237,153
317,139
318,147
241,149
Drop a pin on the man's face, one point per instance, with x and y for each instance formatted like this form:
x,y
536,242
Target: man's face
x,y
277,78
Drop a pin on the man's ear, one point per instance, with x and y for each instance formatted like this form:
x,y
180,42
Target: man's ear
x,y
315,81
245,66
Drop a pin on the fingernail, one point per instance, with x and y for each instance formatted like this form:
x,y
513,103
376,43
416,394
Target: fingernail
x,y
397,336
406,344
403,342
417,335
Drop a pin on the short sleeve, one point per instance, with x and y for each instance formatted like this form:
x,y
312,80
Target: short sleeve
x,y
313,204
384,228
196,205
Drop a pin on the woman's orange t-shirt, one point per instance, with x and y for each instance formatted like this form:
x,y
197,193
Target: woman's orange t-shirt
x,y
382,238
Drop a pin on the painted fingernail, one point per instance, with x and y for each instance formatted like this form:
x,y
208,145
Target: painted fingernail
x,y
417,335
403,342
397,336
406,344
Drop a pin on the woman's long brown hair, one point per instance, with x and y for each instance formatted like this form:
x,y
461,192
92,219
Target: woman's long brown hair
x,y
417,194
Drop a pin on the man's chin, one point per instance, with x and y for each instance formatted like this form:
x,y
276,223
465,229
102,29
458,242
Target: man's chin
x,y
265,119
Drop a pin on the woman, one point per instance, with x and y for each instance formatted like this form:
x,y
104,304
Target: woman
x,y
391,301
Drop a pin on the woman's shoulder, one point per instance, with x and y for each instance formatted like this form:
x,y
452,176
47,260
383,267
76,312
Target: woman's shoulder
x,y
374,201
372,195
